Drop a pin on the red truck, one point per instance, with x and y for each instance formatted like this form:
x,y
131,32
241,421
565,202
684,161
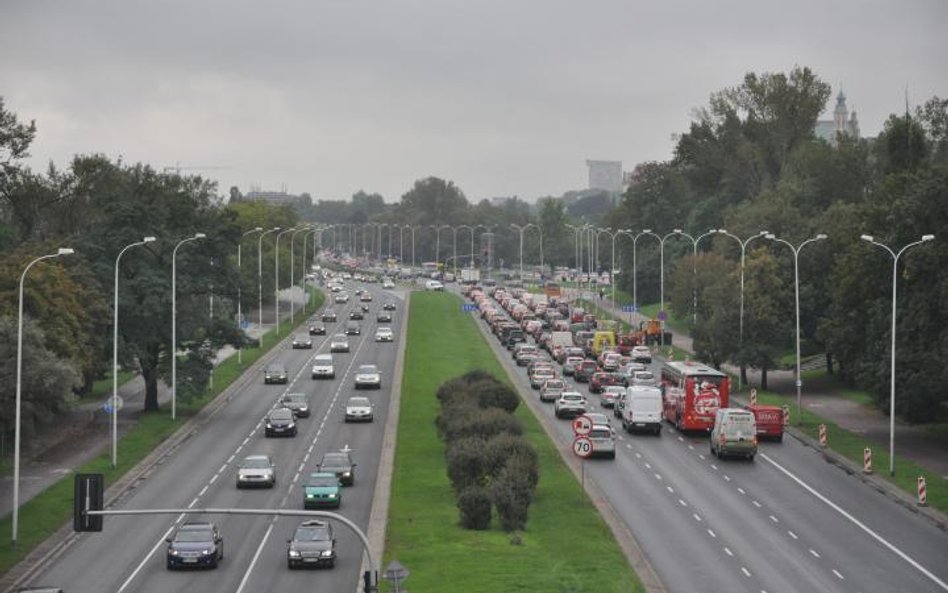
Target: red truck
x,y
769,421
692,393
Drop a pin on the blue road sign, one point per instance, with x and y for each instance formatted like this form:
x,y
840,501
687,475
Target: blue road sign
x,y
629,308
468,307
662,316
244,324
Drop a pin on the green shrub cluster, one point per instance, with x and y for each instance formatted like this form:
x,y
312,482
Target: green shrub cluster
x,y
490,464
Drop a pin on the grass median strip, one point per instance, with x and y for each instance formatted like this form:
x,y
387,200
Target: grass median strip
x,y
566,545
45,513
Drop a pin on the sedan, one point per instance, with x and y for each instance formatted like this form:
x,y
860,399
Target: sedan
x,y
552,389
368,376
322,489
297,402
328,315
340,464
384,334
195,544
353,328
256,470
302,341
389,306
317,329
312,544
356,315
359,409
383,317
339,343
641,354
569,405
280,422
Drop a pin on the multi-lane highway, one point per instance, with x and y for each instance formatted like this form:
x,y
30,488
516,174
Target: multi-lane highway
x,y
787,521
129,555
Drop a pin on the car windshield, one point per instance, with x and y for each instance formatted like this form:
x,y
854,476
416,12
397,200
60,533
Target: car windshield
x,y
323,359
281,414
740,420
275,368
572,397
322,480
335,460
310,533
301,338
368,369
338,338
295,398
558,384
600,433
194,535
256,463
359,402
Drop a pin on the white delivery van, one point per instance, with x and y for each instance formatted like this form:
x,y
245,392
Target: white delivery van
x,y
642,409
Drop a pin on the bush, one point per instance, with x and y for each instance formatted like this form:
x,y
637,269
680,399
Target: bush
x,y
474,505
493,394
466,463
512,501
485,424
502,447
453,391
453,420
523,466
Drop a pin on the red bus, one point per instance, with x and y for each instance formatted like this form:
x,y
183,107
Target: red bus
x,y
692,392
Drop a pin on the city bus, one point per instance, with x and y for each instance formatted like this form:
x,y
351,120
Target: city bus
x,y
692,392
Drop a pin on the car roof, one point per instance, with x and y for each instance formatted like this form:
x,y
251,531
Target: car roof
x,y
323,357
196,526
358,400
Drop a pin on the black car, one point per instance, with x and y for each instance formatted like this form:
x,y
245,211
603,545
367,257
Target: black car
x,y
389,306
313,544
317,329
297,402
195,544
328,315
280,422
383,317
353,328
356,315
275,373
339,463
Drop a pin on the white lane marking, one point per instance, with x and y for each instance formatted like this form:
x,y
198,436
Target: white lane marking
x,y
223,467
213,478
638,456
696,516
141,564
193,502
838,575
714,467
815,553
741,490
858,523
774,519
289,489
755,503
681,439
203,490
746,572
306,458
701,457
691,447
728,551
682,503
658,477
727,478
256,556
648,465
628,446
230,459
670,489
712,534
792,534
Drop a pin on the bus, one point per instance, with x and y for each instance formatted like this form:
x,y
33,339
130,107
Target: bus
x,y
552,290
692,392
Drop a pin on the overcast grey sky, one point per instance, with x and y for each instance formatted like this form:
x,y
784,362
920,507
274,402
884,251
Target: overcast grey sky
x,y
502,97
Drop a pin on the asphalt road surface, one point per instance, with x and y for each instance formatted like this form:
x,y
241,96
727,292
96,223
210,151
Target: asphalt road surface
x,y
787,521
129,555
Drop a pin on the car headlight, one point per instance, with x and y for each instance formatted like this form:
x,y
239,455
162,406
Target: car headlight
x,y
207,552
294,554
269,425
346,474
172,552
330,496
326,553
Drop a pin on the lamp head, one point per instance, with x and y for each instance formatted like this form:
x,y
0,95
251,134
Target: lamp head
x,y
770,236
148,239
258,229
821,236
867,238
677,231
764,233
199,235
69,251
646,230
928,237
720,231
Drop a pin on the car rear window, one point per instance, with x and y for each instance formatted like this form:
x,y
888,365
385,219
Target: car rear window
x,y
600,433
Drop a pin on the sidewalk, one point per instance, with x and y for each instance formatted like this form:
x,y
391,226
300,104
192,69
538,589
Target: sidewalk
x,y
85,433
927,448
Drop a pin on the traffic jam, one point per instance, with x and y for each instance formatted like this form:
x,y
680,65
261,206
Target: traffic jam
x,y
587,368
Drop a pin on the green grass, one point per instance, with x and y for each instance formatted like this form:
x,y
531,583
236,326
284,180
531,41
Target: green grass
x,y
423,532
851,445
41,516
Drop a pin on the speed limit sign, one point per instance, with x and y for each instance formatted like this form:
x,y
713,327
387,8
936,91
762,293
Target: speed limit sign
x,y
582,425
582,446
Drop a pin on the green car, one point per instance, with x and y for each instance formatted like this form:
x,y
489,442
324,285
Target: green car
x,y
322,489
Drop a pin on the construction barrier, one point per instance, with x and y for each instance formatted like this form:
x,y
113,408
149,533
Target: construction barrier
x,y
753,396
867,461
786,414
922,494
823,435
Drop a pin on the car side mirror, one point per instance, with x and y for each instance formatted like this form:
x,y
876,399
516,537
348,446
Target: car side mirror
x,y
167,540
354,464
289,541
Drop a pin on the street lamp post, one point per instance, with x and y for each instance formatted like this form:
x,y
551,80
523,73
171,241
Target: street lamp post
x,y
306,228
743,244
240,318
796,289
19,389
694,269
895,266
276,277
260,276
174,320
114,403
471,229
635,240
612,266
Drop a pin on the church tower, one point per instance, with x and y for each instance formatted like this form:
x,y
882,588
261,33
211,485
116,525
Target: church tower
x,y
840,114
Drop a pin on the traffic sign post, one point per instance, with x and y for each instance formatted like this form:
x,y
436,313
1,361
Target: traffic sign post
x,y
468,307
582,425
395,573
753,396
582,447
113,403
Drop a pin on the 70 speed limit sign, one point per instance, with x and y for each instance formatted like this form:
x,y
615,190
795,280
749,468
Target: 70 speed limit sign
x,y
582,446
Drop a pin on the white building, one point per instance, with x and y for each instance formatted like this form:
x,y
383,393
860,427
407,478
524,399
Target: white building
x,y
605,175
842,123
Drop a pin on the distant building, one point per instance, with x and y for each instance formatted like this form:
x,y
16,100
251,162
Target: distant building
x,y
500,202
273,197
843,122
606,175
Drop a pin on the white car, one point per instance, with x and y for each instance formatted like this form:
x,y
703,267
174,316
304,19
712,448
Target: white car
x,y
384,334
359,409
433,285
368,377
603,441
342,297
256,470
388,284
644,378
641,354
570,403
323,367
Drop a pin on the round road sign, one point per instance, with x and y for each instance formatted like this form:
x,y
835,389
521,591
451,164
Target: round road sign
x,y
582,425
582,446
115,403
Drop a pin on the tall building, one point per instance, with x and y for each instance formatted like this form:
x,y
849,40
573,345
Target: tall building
x,y
606,175
843,122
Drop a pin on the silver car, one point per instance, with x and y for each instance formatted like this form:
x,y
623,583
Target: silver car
x,y
323,367
359,409
368,377
570,404
256,470
339,343
603,441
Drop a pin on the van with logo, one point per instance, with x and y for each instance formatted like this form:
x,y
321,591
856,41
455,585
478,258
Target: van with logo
x,y
734,433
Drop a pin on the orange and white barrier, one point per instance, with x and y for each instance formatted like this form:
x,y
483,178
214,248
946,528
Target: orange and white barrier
x,y
823,435
786,414
922,494
867,460
753,396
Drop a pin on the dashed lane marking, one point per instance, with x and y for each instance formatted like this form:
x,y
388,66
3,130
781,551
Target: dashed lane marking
x,y
838,575
746,572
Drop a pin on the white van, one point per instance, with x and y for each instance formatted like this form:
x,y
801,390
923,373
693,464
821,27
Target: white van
x,y
734,433
641,409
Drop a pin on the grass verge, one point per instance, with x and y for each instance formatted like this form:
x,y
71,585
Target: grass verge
x,y
423,532
42,515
